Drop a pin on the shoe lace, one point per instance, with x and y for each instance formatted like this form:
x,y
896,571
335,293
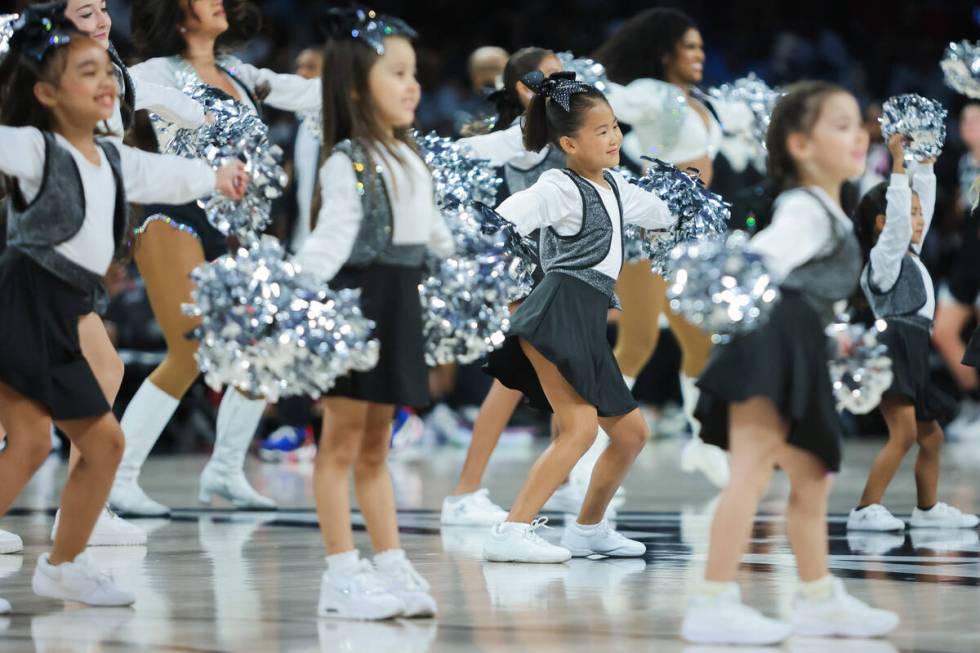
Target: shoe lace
x,y
89,570
409,577
530,533
366,578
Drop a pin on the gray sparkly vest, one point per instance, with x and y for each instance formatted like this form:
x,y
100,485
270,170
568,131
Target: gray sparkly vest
x,y
578,254
904,299
58,213
519,179
374,238
825,280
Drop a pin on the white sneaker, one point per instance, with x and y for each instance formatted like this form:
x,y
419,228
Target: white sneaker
x,y
358,595
516,542
840,615
110,530
4,606
724,619
601,539
402,580
874,518
874,543
10,542
944,539
128,498
712,461
79,580
473,509
943,515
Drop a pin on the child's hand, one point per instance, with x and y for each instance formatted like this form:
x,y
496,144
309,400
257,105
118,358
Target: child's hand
x,y
231,180
896,147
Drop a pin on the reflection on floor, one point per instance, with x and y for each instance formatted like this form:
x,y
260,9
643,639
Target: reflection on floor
x,y
216,580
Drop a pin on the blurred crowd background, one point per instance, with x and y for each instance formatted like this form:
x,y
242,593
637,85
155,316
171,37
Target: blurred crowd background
x,y
874,48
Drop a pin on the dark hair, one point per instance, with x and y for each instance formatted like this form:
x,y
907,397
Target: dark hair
x,y
509,106
546,121
872,204
795,112
156,25
639,48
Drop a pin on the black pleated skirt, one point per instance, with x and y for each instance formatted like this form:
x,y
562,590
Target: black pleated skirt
x,y
193,219
909,347
972,355
40,354
564,319
785,361
390,297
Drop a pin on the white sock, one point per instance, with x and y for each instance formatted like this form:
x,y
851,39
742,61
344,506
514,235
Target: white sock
x,y
587,528
144,420
389,558
821,588
343,562
711,588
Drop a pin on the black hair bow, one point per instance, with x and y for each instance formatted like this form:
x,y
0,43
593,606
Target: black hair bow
x,y
366,25
41,29
560,86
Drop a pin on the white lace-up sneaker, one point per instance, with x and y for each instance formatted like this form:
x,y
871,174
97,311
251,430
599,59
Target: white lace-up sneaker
x,y
943,515
10,542
724,619
840,615
516,542
602,539
110,530
473,509
402,580
875,517
358,594
79,580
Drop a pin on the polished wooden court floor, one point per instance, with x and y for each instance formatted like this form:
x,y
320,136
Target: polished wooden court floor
x,y
217,580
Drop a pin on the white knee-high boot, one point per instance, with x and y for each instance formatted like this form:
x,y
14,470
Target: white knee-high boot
x,y
144,420
697,456
224,475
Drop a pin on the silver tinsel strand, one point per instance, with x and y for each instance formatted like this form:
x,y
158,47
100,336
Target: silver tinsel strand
x,y
271,331
465,296
859,366
585,69
922,120
759,98
720,286
6,32
961,66
233,131
701,214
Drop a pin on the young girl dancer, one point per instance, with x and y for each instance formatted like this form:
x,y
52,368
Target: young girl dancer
x,y
556,352
376,220
767,397
654,58
58,85
469,505
183,36
893,220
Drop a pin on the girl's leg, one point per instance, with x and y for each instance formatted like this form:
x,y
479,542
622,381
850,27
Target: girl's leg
x,y
899,414
627,436
495,413
756,434
28,443
372,482
806,514
344,423
930,438
577,422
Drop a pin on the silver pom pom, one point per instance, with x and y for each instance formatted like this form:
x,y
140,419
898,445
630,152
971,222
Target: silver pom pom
x,y
755,96
701,214
459,175
961,66
720,286
860,369
920,119
585,69
6,32
233,131
271,331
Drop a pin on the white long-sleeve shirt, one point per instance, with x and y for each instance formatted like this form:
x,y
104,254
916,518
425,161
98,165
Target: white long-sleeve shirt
x,y
286,92
498,147
896,236
555,201
799,231
665,125
167,102
415,217
148,178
